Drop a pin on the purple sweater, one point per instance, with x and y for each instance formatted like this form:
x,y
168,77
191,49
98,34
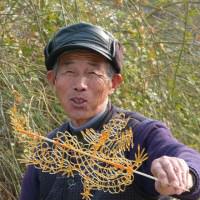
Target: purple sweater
x,y
152,135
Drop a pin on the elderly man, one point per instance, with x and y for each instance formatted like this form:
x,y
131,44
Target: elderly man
x,y
84,67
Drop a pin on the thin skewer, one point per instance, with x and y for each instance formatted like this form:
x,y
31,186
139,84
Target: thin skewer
x,y
156,179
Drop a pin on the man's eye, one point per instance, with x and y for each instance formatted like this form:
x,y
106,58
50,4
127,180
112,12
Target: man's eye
x,y
94,73
67,72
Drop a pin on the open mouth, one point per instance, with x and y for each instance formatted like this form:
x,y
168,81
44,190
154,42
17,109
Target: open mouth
x,y
78,100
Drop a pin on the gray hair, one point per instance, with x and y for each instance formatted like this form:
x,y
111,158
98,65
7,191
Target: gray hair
x,y
110,71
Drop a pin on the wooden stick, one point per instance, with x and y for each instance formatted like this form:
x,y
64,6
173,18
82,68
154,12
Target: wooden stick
x,y
156,179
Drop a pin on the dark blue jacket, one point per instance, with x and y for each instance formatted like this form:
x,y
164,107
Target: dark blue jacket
x,y
152,135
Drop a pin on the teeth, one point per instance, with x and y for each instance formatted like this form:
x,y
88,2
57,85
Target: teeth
x,y
78,101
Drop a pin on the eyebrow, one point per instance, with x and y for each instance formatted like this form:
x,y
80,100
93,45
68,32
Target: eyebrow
x,y
93,63
68,62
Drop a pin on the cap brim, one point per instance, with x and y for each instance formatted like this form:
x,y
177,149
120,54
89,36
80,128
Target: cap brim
x,y
70,47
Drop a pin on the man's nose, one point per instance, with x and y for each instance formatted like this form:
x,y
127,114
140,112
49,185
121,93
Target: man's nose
x,y
80,84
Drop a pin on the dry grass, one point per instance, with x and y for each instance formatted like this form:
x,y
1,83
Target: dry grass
x,y
162,74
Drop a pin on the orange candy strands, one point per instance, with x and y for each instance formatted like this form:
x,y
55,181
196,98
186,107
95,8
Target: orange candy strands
x,y
100,160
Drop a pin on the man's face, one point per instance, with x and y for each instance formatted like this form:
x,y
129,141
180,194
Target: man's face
x,y
82,84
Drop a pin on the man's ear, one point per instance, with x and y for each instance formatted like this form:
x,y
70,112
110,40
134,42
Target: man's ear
x,y
51,77
116,81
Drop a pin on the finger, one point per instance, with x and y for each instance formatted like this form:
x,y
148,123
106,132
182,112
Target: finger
x,y
164,190
184,172
170,170
158,171
189,181
177,168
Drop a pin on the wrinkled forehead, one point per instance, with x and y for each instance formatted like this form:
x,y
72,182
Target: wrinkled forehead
x,y
82,54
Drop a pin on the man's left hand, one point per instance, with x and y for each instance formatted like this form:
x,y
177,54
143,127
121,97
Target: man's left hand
x,y
172,174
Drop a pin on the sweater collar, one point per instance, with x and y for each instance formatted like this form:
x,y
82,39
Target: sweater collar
x,y
90,123
95,123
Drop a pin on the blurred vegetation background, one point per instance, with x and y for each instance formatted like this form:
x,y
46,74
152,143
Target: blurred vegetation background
x,y
161,71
